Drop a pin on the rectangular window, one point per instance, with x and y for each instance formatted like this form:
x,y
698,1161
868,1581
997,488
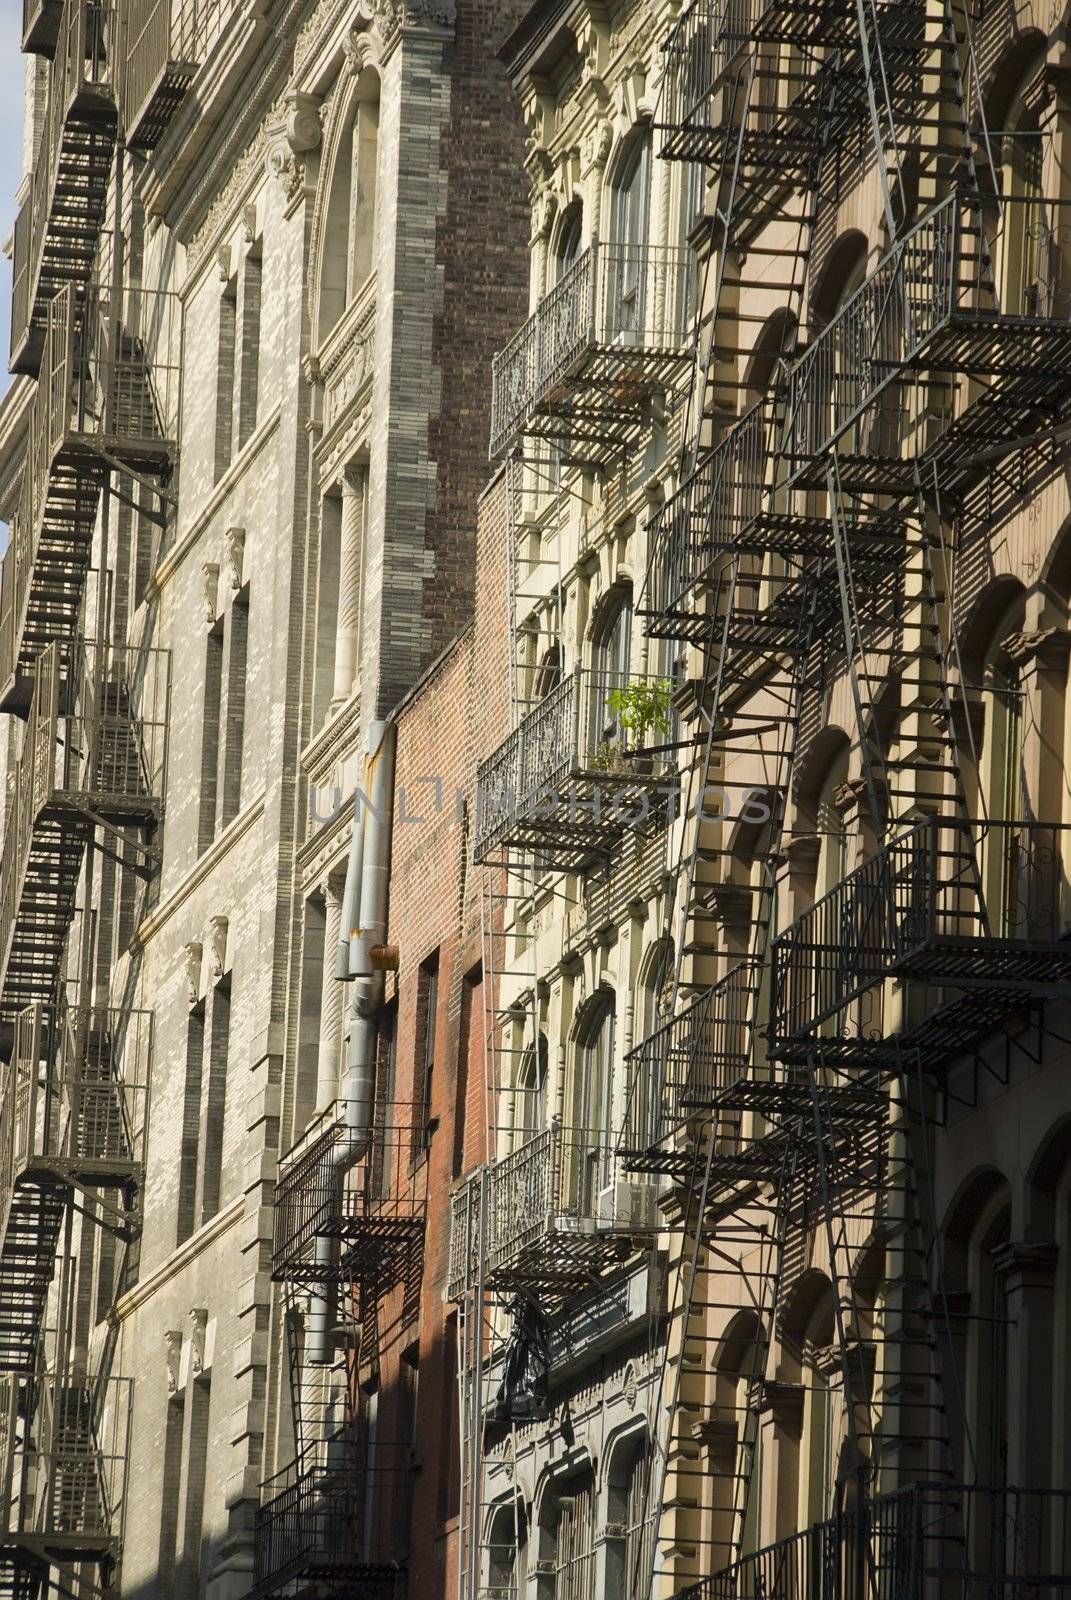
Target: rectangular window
x,y
188,1585
249,354
214,1102
327,600
225,366
210,739
191,1122
167,1544
427,1012
469,1064
231,738
314,934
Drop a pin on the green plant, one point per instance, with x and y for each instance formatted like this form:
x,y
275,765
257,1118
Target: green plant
x,y
641,708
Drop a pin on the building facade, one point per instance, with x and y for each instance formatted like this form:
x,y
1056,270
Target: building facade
x,y
533,993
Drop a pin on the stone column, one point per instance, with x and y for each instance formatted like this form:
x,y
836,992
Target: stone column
x,y
333,994
782,1427
351,542
1029,1273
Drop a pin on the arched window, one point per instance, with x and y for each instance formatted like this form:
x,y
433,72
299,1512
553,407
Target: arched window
x,y
593,1097
843,274
1016,142
567,1537
350,230
567,247
630,1551
549,671
806,1461
629,290
507,1552
531,1115
832,834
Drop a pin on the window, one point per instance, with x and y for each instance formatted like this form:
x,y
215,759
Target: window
x,y
339,593
629,290
531,1112
568,247
574,1539
611,653
1022,224
223,724
225,368
593,1098
249,353
630,1553
191,1122
506,1551
427,1012
349,238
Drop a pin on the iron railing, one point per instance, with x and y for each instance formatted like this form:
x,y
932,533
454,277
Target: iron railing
x,y
925,1542
925,906
571,763
614,308
465,1234
701,48
75,1097
557,1187
934,281
109,385
56,232
679,1070
709,514
63,1452
337,1526
94,747
373,1206
165,42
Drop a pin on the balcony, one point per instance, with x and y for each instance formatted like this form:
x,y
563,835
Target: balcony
x,y
57,231
369,1216
41,25
336,1530
165,43
679,1075
93,754
566,783
927,307
557,1215
976,913
63,1450
926,1542
615,331
108,394
73,1111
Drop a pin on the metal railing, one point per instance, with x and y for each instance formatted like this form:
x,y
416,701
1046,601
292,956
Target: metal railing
x,y
934,276
571,750
95,746
710,513
914,904
925,1542
617,303
465,1206
80,78
677,1071
702,46
76,1095
549,1186
376,1201
63,1455
165,41
109,383
340,1524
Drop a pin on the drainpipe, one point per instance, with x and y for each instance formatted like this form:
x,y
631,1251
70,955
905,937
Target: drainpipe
x,y
363,926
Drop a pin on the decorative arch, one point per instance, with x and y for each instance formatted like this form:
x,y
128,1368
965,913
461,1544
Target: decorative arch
x,y
775,339
841,272
329,266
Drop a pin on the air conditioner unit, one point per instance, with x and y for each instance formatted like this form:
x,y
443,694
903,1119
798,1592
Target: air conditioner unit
x,y
625,1207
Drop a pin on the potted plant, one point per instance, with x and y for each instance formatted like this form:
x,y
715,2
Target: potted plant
x,y
640,709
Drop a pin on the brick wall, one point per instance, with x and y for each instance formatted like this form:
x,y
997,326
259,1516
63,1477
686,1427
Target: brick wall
x,y
456,716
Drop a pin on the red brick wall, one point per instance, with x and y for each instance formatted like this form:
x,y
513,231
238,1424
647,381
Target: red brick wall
x,y
456,716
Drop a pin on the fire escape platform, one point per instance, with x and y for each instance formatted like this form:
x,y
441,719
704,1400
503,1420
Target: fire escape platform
x,y
41,25
162,99
28,1246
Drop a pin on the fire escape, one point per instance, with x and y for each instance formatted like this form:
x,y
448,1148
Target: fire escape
x,y
810,542
349,1236
86,783
165,42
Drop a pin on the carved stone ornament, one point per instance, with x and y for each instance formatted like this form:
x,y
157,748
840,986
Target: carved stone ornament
x,y
198,1324
394,14
192,953
287,170
303,129
630,1388
234,543
217,945
509,1459
223,262
210,591
595,150
359,50
172,1358
249,222
543,216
